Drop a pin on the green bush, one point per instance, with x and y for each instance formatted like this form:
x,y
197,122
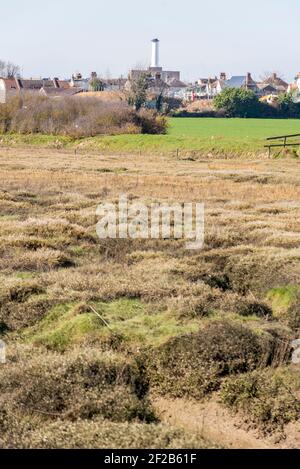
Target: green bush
x,y
238,103
288,107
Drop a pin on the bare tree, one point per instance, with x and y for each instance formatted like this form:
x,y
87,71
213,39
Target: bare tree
x,y
2,68
8,69
268,76
12,70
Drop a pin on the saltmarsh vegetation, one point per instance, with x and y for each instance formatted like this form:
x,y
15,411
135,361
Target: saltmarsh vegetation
x,y
95,328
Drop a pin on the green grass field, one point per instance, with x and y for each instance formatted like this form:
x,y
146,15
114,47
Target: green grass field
x,y
256,129
219,137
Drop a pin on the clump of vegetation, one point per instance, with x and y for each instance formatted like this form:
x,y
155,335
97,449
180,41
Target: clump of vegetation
x,y
22,302
195,364
120,324
40,260
18,290
81,385
268,398
286,304
151,122
94,434
238,102
86,117
255,308
256,271
288,106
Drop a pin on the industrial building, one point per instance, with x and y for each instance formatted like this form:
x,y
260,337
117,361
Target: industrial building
x,y
171,78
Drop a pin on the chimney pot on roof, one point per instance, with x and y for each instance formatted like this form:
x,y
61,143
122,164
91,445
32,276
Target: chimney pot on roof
x,y
248,79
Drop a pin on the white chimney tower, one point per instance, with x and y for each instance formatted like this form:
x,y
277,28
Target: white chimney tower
x,y
155,53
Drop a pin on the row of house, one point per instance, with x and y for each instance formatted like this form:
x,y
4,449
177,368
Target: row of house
x,y
208,88
55,88
10,87
160,81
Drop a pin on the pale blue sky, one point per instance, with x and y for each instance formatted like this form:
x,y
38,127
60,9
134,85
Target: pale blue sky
x,y
200,38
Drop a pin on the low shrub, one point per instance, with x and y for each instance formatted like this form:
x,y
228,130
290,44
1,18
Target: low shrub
x,y
94,434
151,122
22,302
40,260
267,398
74,117
255,308
19,291
195,364
256,272
197,301
16,315
199,113
79,385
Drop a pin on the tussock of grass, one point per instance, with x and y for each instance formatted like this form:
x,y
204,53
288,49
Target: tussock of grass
x,y
285,302
268,398
134,324
25,314
19,290
282,298
40,260
98,434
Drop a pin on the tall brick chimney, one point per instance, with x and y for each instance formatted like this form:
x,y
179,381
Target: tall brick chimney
x,y
248,79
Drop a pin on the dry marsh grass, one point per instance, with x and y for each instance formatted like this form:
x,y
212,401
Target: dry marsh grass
x,y
152,295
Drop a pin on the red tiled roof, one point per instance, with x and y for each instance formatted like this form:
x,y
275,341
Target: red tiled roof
x,y
64,84
293,86
10,83
276,81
